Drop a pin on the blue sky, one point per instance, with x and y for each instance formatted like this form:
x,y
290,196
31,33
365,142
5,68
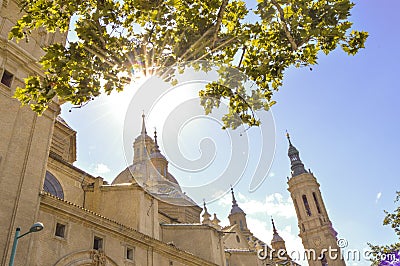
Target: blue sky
x,y
343,117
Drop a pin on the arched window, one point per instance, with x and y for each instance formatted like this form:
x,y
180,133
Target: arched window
x,y
241,225
316,202
305,201
52,186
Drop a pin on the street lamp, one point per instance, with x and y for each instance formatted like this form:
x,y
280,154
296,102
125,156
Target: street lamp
x,y
36,227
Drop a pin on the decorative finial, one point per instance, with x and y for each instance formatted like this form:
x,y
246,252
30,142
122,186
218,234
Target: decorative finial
x,y
233,196
216,222
144,132
273,225
155,138
288,137
206,216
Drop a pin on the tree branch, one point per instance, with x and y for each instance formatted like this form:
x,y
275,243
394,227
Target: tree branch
x,y
219,47
219,20
199,41
284,24
241,58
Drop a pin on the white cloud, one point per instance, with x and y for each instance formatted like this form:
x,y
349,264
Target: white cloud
x,y
258,219
293,243
101,168
378,196
218,194
226,200
274,205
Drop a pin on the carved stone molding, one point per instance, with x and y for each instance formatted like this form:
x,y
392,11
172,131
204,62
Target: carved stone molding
x,y
98,257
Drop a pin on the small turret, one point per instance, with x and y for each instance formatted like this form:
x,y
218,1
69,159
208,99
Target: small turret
x,y
216,222
238,216
277,241
206,216
158,160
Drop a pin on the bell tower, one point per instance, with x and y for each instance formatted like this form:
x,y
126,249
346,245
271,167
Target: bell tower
x,y
316,231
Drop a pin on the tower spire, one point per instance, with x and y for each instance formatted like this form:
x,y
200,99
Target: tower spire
x,y
233,197
277,242
143,132
238,216
156,147
276,237
206,216
273,226
288,137
235,206
155,152
297,165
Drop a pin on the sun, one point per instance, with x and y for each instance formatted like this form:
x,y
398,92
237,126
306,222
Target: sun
x,y
117,103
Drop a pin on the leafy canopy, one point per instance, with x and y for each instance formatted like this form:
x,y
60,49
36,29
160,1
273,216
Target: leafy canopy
x,y
386,254
117,39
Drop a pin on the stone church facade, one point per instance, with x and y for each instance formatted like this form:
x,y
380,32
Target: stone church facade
x,y
142,217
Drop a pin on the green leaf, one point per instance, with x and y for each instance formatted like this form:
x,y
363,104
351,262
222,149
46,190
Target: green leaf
x,y
116,37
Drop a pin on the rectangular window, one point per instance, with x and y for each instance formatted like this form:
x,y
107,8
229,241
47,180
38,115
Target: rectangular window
x,y
129,253
7,78
98,243
305,201
60,230
316,202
